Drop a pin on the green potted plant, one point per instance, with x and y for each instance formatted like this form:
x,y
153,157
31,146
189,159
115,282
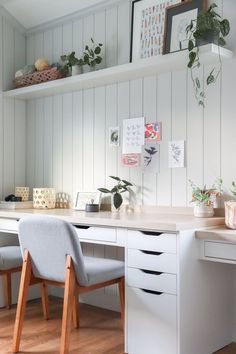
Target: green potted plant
x,y
91,56
122,186
204,198
209,27
72,63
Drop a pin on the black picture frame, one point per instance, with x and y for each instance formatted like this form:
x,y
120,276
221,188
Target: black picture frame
x,y
178,9
134,2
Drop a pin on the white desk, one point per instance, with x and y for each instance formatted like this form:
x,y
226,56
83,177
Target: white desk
x,y
168,292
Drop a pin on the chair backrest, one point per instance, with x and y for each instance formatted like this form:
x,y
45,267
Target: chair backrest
x,y
49,240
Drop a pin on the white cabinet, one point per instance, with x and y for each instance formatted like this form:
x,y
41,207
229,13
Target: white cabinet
x,y
152,241
152,322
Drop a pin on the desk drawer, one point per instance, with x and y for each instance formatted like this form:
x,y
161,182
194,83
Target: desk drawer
x,y
226,251
96,233
159,262
152,241
145,279
9,225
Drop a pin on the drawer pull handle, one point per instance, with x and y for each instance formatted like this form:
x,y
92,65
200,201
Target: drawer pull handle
x,y
152,292
151,233
82,227
152,253
152,272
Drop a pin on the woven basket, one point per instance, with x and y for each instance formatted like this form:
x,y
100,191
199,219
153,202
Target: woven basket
x,y
37,78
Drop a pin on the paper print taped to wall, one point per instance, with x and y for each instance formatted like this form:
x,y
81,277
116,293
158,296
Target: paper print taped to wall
x,y
133,135
151,158
153,132
131,160
176,154
114,136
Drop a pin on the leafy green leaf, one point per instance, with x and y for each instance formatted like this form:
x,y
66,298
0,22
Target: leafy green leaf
x,y
97,50
117,200
126,182
115,178
104,190
224,27
221,42
197,81
114,189
190,45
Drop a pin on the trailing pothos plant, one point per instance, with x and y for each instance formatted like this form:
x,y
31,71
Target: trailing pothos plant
x,y
209,27
121,187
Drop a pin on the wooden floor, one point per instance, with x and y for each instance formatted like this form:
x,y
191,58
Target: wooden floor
x,y
100,331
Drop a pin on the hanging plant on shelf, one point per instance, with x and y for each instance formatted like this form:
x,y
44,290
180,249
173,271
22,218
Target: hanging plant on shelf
x,y
121,187
209,27
92,55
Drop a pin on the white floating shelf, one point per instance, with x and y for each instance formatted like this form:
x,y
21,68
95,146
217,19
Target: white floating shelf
x,y
163,63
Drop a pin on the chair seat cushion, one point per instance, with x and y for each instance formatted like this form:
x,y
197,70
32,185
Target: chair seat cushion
x,y
10,257
100,270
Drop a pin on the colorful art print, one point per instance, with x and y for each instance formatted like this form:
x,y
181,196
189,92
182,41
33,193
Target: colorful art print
x,y
133,135
131,160
83,198
148,25
151,158
114,136
153,132
178,17
176,154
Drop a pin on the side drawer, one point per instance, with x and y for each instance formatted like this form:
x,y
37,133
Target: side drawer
x,y
152,241
145,279
159,262
9,225
220,250
152,322
96,233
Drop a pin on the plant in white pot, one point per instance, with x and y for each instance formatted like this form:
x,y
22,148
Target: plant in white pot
x,y
204,199
230,209
73,64
92,56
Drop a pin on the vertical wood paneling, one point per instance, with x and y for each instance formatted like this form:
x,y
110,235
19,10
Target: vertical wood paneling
x,y
111,37
100,137
57,143
19,50
100,34
30,56
20,142
30,143
123,46
164,115
67,143
88,142
88,31
38,45
78,45
48,45
67,38
136,110
8,55
39,143
48,142
57,43
179,115
149,109
77,143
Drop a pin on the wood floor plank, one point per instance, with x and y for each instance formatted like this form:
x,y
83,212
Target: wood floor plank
x,y
100,331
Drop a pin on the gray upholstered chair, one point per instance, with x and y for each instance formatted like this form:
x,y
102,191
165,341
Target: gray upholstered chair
x,y
10,262
53,255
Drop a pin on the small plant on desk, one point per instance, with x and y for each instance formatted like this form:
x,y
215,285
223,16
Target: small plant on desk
x,y
122,186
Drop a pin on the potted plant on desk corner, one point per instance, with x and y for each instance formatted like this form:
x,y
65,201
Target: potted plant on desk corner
x,y
205,198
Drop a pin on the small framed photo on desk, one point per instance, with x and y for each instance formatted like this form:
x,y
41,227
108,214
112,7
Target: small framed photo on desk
x,y
83,198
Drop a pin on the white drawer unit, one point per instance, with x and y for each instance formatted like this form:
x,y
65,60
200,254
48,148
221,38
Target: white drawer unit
x,y
87,233
152,322
222,251
9,225
150,280
152,241
148,260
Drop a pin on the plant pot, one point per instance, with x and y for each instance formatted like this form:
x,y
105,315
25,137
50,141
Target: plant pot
x,y
76,70
114,209
202,210
88,68
230,214
210,37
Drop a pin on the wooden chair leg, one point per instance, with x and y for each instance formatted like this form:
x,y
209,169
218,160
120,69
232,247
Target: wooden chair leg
x,y
68,306
122,301
24,285
44,298
76,318
7,289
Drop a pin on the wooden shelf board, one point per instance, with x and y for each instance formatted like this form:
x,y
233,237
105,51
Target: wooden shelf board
x,y
146,67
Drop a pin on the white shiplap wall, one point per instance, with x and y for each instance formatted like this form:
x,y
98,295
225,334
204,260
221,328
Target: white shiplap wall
x,y
12,112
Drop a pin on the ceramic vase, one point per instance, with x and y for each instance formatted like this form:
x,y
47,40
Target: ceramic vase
x,y
76,70
202,210
230,214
